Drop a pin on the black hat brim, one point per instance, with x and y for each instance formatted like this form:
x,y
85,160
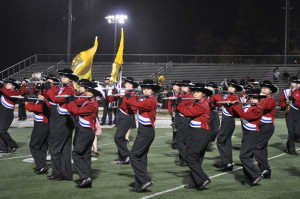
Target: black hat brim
x,y
207,91
135,84
72,76
154,87
273,88
13,82
92,90
236,86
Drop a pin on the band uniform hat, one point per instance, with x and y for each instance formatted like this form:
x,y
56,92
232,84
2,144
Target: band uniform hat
x,y
68,73
295,79
268,83
25,79
211,84
131,81
16,83
234,84
90,87
202,88
255,92
186,83
107,77
248,86
53,77
175,83
83,82
149,83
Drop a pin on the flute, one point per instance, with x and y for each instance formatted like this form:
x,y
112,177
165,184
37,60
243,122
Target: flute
x,y
75,96
174,98
21,97
232,102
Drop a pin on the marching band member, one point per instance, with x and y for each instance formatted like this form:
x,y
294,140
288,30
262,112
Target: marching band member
x,y
107,110
87,113
214,115
293,119
146,110
198,135
172,110
38,142
7,105
61,138
125,119
23,91
227,124
285,100
266,127
183,123
251,115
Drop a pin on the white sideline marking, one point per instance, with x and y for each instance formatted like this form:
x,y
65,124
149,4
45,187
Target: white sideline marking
x,y
16,157
25,156
214,176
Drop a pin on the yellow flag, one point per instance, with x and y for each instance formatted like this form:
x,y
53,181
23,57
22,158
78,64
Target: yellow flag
x,y
82,63
116,66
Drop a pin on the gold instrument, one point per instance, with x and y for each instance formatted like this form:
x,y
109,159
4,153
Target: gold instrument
x,y
160,80
37,76
288,102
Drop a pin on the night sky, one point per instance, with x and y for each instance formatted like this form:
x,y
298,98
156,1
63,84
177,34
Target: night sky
x,y
154,26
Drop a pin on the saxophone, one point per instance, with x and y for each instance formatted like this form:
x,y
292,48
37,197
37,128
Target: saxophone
x,y
288,102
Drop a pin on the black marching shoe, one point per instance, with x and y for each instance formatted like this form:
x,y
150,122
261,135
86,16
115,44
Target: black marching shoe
x,y
203,186
43,170
291,152
86,183
79,181
125,161
54,178
266,174
255,181
187,186
209,147
14,149
143,187
181,164
228,167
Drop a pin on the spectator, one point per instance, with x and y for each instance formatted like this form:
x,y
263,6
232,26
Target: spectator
x,y
276,74
286,75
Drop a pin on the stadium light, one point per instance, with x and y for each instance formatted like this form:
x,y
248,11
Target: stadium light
x,y
115,19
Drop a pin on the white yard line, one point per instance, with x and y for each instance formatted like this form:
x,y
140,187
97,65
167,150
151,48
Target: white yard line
x,y
214,176
16,157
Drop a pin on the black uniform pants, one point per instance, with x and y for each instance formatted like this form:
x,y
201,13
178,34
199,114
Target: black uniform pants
x,y
38,143
261,151
6,118
22,110
52,120
224,139
61,143
197,141
124,124
249,143
181,136
293,126
106,111
175,122
139,152
82,151
214,125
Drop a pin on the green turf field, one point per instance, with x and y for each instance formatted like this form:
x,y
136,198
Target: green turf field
x,y
113,180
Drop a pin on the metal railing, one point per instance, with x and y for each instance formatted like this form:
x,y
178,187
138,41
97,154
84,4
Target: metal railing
x,y
19,67
182,58
162,71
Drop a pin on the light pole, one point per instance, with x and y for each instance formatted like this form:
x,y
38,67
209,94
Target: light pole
x,y
115,19
70,19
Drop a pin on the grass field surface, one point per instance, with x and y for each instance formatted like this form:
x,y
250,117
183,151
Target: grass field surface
x,y
113,181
